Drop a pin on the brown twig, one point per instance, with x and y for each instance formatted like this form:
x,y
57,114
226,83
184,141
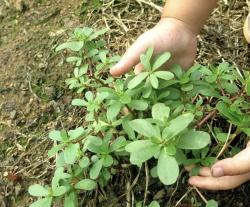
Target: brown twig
x,y
214,111
207,117
146,187
200,194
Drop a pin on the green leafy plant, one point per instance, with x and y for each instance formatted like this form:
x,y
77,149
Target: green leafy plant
x,y
158,117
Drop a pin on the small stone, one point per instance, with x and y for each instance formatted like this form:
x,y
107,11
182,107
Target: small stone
x,y
39,55
41,65
13,114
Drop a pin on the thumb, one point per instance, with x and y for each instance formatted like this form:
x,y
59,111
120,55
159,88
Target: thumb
x,y
237,165
132,55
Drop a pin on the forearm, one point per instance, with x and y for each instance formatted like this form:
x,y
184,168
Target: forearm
x,y
193,12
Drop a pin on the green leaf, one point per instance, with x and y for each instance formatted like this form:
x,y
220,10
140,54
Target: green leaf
x,y
247,86
187,87
58,175
246,131
125,98
128,129
113,110
145,61
70,200
73,59
167,168
230,87
177,70
177,125
154,204
114,59
223,67
144,128
225,111
137,145
222,137
211,78
160,112
107,160
83,70
103,57
139,105
71,152
141,151
38,190
118,143
55,135
147,89
97,141
55,149
84,162
160,60
98,33
154,81
180,156
137,80
166,75
96,169
149,52
193,140
153,172
74,45
92,53
44,202
212,203
78,102
86,184
76,133
89,96
170,149
59,191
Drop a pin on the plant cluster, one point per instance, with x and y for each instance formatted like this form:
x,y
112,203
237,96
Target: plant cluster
x,y
156,117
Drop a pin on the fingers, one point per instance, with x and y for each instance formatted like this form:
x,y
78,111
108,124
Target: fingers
x,y
237,165
219,183
132,55
138,68
204,171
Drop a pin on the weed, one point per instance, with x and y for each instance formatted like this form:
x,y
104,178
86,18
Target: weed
x,y
155,115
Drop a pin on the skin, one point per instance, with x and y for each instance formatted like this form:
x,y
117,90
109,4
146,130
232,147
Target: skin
x,y
226,174
176,32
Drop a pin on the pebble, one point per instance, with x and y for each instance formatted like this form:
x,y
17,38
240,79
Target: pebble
x,y
13,114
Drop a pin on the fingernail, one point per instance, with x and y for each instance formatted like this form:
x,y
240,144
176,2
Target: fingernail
x,y
116,66
113,69
217,172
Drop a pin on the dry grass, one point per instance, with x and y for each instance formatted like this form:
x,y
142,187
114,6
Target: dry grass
x,y
221,38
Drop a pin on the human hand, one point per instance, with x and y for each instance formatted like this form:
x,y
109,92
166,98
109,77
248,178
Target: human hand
x,y
169,34
225,174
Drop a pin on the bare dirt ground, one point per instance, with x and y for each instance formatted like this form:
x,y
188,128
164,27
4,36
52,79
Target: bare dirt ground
x,y
34,98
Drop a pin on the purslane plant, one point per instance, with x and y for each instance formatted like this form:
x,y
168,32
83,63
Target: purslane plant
x,y
155,117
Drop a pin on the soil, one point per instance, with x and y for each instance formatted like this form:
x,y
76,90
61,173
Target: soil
x,y
34,98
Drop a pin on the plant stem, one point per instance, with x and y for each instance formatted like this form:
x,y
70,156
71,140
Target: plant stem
x,y
200,194
228,144
207,117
